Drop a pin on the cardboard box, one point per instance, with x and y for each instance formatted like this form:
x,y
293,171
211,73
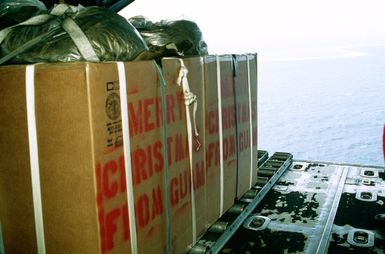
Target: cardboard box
x,y
81,160
231,124
246,101
67,164
253,71
195,79
81,157
220,136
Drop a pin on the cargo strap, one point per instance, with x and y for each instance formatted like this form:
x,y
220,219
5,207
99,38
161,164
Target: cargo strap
x,y
2,250
36,20
189,98
40,19
127,156
34,157
165,149
80,39
251,122
73,30
235,79
221,205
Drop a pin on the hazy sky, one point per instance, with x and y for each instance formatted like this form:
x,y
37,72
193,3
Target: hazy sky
x,y
273,25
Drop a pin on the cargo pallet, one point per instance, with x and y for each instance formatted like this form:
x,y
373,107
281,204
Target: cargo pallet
x,y
304,207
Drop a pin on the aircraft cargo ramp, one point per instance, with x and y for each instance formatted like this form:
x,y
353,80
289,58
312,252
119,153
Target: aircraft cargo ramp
x,y
304,207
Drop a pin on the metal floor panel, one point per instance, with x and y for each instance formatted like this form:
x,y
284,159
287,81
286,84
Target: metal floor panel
x,y
318,208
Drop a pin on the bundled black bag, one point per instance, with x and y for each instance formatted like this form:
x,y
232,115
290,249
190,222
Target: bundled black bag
x,y
181,38
14,12
69,33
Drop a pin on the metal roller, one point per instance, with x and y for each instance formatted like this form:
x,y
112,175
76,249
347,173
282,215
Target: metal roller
x,y
218,227
237,209
274,164
261,181
281,156
266,172
199,248
250,194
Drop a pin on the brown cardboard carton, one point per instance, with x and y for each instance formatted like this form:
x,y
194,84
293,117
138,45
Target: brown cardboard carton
x,y
220,134
151,158
195,78
247,151
147,157
81,159
253,70
64,138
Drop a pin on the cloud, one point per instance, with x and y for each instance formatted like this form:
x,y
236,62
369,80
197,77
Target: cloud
x,y
246,24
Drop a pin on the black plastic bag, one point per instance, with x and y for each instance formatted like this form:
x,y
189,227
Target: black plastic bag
x,y
181,38
107,35
13,12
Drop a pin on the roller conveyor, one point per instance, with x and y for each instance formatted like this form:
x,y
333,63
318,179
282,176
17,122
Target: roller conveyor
x,y
304,207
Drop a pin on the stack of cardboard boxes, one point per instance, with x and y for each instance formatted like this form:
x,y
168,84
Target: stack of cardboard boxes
x,y
79,157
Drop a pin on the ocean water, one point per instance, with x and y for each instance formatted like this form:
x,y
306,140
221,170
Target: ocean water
x,y
329,108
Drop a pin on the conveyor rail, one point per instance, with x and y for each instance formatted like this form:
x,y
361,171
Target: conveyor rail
x,y
220,232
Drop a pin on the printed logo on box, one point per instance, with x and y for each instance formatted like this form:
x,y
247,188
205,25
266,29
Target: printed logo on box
x,y
112,106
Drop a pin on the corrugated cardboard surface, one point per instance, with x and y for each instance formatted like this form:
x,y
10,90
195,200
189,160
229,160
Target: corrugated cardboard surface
x,y
110,200
65,157
194,66
235,111
229,122
149,162
81,160
211,141
82,171
178,163
146,134
18,228
244,133
254,113
196,81
213,137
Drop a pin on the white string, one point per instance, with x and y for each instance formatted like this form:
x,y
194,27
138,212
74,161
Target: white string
x,y
189,98
127,156
34,157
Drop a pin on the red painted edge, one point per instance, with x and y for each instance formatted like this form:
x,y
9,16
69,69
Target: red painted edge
x,y
383,143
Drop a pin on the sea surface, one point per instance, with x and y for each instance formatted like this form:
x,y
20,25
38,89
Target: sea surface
x,y
326,108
